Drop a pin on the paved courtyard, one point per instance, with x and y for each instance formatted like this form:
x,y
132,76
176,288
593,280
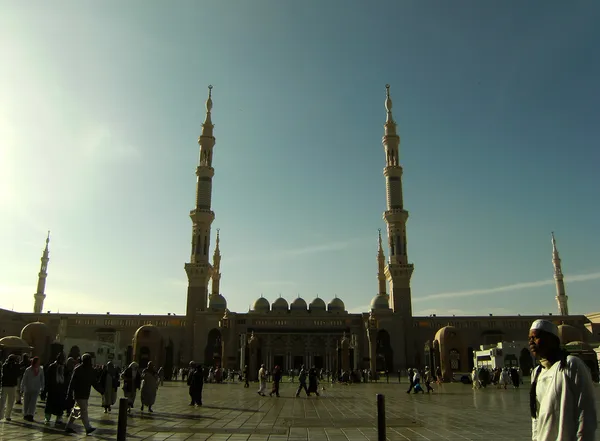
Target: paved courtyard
x,y
230,412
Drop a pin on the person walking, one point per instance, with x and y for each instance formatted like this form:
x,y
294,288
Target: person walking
x,y
31,385
195,382
10,381
109,381
313,383
302,380
562,401
276,381
262,379
132,381
150,381
246,384
56,385
84,377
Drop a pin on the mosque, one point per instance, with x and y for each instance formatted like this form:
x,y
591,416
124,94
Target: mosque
x,y
316,333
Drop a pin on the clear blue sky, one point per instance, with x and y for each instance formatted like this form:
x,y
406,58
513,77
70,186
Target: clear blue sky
x,y
101,104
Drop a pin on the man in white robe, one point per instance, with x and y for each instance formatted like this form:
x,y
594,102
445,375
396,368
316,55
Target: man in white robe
x,y
562,404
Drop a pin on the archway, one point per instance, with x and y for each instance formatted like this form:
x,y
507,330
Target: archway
x,y
212,352
384,352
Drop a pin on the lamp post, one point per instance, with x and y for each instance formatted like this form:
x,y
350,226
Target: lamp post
x,y
372,326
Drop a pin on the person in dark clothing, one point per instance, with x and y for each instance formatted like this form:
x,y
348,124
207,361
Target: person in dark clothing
x,y
302,379
84,377
56,389
25,363
276,381
10,381
410,380
246,384
313,384
196,384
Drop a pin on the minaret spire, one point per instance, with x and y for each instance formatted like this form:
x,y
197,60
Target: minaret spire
x,y
199,269
561,296
40,295
216,273
381,267
398,271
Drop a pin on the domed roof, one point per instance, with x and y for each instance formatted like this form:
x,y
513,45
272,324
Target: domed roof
x,y
280,304
299,304
317,304
573,344
35,329
146,331
336,304
261,305
217,302
380,302
568,333
13,342
445,332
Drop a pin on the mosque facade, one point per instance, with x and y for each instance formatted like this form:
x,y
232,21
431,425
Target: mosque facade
x,y
289,334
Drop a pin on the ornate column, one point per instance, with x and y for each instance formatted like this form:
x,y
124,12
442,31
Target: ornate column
x,y
372,326
345,345
242,351
226,339
253,365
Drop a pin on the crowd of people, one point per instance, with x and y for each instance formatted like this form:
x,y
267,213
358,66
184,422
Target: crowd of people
x,y
65,386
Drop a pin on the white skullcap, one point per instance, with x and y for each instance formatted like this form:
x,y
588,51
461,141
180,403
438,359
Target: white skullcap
x,y
545,325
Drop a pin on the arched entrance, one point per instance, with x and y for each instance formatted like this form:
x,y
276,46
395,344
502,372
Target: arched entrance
x,y
212,352
385,354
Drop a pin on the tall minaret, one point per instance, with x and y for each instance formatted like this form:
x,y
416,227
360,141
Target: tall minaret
x,y
199,269
561,296
216,273
381,269
39,296
398,271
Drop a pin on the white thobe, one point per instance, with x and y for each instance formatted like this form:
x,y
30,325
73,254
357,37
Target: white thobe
x,y
566,408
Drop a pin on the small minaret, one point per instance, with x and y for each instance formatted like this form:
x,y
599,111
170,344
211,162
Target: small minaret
x,y
39,296
561,296
381,269
216,273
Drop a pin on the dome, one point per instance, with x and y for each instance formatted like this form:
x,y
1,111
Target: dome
x,y
35,330
299,304
568,333
317,304
217,302
380,302
445,333
13,342
146,331
280,304
574,344
261,305
336,305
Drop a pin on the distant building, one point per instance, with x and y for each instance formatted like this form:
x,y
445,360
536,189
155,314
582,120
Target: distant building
x,y
289,334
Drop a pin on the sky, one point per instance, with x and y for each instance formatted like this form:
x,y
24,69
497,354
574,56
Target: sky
x,y
497,105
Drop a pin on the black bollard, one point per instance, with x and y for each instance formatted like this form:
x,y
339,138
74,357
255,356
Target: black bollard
x,y
122,424
381,417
